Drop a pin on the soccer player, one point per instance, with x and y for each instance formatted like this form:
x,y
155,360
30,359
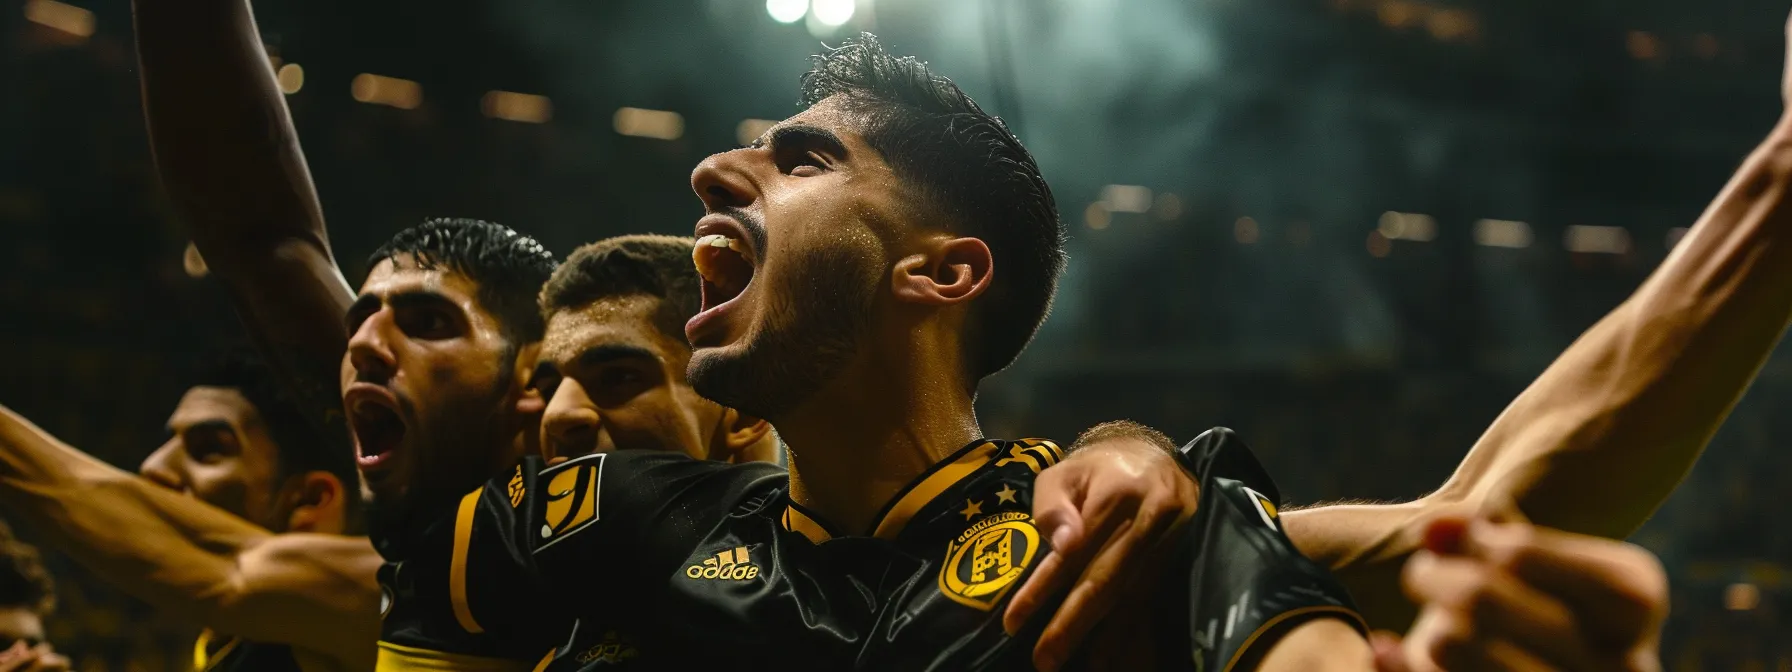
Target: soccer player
x,y
613,362
235,524
26,596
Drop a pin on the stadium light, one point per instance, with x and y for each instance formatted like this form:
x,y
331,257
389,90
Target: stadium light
x,y
656,124
1097,216
520,107
1502,233
291,78
1126,198
374,89
787,11
1245,230
1596,239
61,16
1742,597
833,12
1407,226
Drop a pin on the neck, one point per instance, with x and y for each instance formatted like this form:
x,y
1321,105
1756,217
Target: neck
x,y
855,444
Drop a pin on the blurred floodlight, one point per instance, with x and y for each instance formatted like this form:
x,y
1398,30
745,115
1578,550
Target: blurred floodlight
x,y
1407,226
1097,216
1706,46
1168,207
1596,239
787,11
1397,13
192,263
1126,198
60,16
833,12
749,130
522,107
1502,233
1378,245
374,89
1675,235
1245,230
1643,46
1742,597
1451,24
656,124
291,78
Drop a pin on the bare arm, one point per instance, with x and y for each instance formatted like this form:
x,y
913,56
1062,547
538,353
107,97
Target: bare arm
x,y
312,591
230,160
1596,443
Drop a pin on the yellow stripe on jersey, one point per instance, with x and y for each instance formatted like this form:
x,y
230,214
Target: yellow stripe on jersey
x,y
457,564
204,660
546,660
397,658
1273,622
797,521
930,487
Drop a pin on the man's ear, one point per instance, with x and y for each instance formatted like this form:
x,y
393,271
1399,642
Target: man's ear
x,y
743,438
318,503
944,272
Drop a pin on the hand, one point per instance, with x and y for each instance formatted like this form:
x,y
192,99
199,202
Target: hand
x,y
1513,596
1105,508
40,658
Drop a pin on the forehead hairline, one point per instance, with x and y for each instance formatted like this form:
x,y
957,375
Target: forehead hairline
x,y
213,397
578,329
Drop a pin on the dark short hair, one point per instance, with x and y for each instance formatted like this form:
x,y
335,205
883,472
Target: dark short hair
x,y
23,580
1123,429
508,267
300,445
969,168
641,265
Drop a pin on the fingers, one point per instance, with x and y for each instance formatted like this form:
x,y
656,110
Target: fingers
x,y
1618,590
1057,499
1112,568
1483,605
1446,640
1389,655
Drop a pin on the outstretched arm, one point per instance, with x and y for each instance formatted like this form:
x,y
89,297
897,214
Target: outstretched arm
x,y
230,160
312,591
1610,428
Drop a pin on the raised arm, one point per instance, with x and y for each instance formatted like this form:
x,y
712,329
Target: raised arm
x,y
315,592
1610,428
230,160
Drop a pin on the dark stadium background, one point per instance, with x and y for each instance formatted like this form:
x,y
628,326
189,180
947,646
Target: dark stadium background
x,y
1245,270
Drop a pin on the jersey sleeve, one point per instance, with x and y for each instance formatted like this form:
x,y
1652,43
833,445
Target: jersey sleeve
x,y
1246,584
549,542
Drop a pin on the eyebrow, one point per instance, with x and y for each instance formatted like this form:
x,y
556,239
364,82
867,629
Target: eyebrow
x,y
804,135
410,298
611,352
206,425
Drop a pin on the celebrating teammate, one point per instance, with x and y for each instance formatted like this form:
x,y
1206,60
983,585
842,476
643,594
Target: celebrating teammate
x,y
236,525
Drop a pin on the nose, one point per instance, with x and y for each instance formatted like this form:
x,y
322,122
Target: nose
x,y
569,426
369,348
160,469
722,181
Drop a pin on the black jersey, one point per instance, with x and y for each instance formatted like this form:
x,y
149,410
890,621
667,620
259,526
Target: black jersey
x,y
213,653
671,563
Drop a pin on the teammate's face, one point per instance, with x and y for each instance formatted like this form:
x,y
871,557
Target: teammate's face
x,y
817,217
615,381
429,386
220,452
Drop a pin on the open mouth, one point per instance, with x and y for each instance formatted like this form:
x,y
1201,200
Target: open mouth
x,y
725,260
378,429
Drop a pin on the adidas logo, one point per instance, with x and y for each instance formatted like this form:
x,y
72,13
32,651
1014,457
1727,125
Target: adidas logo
x,y
732,565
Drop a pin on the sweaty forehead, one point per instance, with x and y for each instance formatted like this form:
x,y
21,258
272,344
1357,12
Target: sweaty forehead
x,y
212,404
624,320
401,274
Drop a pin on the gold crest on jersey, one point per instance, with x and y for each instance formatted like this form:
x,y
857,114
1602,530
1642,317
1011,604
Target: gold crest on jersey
x,y
571,497
987,559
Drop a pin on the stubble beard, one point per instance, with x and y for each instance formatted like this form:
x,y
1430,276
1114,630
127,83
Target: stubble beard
x,y
810,335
